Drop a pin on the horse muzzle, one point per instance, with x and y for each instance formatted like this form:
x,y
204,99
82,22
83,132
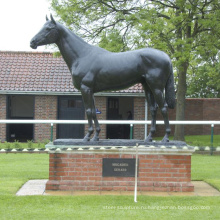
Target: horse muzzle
x,y
33,44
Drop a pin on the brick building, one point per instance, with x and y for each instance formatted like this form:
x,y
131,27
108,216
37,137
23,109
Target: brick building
x,y
39,86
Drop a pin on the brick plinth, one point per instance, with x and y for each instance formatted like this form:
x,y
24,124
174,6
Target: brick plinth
x,y
82,171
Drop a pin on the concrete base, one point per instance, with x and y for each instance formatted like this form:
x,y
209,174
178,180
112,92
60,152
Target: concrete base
x,y
29,188
79,168
32,187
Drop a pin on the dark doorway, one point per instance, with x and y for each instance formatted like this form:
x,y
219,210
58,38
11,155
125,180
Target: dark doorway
x,y
20,107
119,108
70,108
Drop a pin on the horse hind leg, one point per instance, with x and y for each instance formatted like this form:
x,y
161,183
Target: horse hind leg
x,y
164,111
153,110
158,94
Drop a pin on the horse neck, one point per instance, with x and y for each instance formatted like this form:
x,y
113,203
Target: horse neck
x,y
71,46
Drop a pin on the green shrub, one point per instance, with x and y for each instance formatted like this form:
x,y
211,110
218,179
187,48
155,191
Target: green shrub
x,y
30,144
7,145
46,141
40,144
17,145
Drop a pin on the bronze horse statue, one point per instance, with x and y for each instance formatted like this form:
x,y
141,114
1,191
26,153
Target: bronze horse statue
x,y
94,69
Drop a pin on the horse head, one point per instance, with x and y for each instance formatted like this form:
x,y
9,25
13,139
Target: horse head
x,y
47,35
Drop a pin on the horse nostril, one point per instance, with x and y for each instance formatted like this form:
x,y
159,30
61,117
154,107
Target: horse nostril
x,y
32,41
33,44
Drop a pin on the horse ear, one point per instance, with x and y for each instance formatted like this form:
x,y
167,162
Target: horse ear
x,y
47,18
52,19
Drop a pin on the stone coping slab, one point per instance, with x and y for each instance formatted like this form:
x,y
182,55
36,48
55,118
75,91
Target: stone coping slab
x,y
118,146
116,142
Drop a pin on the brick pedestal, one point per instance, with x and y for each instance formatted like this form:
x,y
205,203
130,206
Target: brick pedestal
x,y
159,169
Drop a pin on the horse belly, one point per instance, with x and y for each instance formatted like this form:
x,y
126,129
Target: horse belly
x,y
117,77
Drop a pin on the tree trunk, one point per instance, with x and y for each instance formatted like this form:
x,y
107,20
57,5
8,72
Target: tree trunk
x,y
180,106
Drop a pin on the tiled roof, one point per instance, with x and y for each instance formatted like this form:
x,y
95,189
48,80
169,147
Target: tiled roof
x,y
39,72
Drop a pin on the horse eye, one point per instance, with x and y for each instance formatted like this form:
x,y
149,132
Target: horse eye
x,y
47,28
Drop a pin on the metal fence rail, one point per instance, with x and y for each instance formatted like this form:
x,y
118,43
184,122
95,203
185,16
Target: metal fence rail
x,y
131,122
140,122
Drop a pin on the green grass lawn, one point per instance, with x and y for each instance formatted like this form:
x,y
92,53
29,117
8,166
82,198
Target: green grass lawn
x,y
199,140
203,140
206,168
16,169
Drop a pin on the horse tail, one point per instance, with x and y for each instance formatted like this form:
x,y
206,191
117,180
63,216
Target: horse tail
x,y
169,90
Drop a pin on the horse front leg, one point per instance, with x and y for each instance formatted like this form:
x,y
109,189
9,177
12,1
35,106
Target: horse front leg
x,y
97,127
87,99
90,124
97,130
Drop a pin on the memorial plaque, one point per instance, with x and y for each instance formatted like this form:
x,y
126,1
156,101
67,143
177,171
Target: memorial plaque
x,y
119,167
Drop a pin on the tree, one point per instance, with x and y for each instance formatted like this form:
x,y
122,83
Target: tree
x,y
204,81
182,28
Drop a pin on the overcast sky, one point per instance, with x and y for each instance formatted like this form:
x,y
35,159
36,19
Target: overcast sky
x,y
20,20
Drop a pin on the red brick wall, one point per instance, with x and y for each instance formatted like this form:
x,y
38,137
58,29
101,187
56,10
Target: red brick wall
x,y
3,111
45,108
211,111
195,110
139,114
83,172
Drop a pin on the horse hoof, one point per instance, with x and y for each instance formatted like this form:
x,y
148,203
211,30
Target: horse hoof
x,y
148,140
95,139
165,140
86,139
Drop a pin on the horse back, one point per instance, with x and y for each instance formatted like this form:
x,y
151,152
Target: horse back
x,y
103,70
121,70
